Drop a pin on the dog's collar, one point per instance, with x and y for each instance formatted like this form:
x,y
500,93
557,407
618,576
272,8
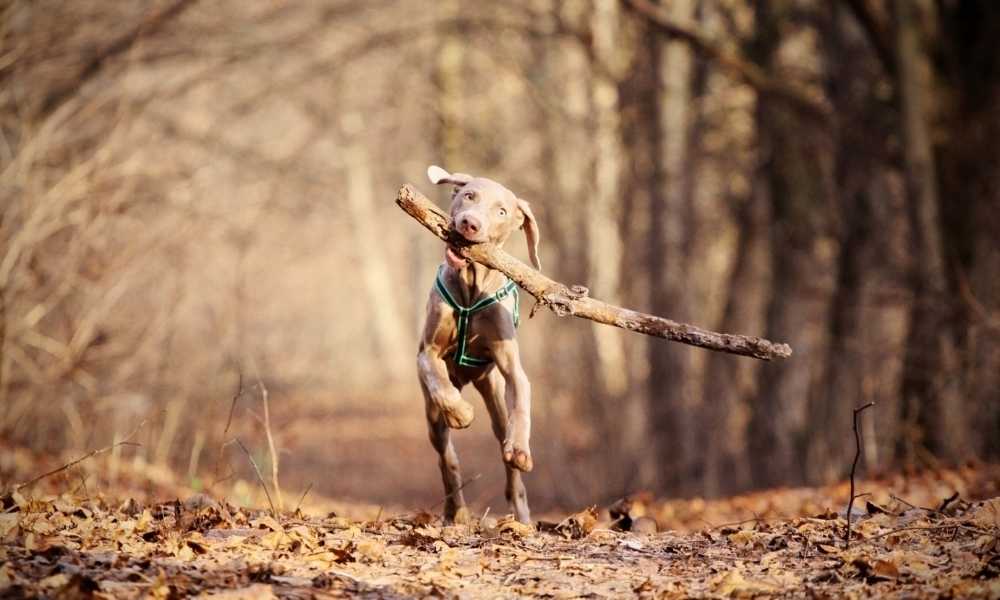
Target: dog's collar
x,y
463,313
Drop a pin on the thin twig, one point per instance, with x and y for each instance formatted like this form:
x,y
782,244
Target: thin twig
x,y
83,484
751,520
854,467
910,504
236,397
267,431
931,511
469,481
946,502
123,442
975,530
229,422
260,478
302,497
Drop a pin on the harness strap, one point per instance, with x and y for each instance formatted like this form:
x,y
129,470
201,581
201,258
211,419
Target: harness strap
x,y
463,314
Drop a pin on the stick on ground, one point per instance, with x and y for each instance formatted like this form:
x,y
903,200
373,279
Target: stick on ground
x,y
573,300
854,467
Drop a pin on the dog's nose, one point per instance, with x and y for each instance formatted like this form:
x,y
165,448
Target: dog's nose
x,y
470,224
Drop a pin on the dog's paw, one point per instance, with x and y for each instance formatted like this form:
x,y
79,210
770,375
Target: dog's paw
x,y
517,456
457,413
462,516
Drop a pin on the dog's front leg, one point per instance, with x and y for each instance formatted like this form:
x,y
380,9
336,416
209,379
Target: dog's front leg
x,y
439,432
441,393
516,449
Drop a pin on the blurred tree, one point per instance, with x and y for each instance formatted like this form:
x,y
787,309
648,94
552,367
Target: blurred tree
x,y
795,167
178,186
966,147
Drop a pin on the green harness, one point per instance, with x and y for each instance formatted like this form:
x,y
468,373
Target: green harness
x,y
463,314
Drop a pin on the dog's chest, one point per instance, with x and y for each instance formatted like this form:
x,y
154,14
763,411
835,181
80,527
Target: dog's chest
x,y
480,330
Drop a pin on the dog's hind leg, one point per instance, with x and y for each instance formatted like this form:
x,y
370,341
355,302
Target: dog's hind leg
x,y
492,388
451,472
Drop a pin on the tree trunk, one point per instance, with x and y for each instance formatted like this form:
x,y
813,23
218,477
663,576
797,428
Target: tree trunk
x,y
604,240
641,187
730,383
673,392
931,411
390,345
969,168
842,389
794,157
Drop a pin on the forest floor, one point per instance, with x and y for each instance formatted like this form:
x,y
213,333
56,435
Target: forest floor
x,y
935,534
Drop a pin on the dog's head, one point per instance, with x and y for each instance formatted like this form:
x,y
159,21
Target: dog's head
x,y
482,210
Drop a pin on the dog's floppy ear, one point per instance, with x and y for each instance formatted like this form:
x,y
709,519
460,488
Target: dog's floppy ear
x,y
439,176
530,227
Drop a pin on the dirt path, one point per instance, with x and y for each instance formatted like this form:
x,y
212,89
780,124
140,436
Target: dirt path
x,y
70,548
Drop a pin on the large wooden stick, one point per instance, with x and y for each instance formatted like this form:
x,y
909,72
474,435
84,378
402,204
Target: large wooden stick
x,y
573,300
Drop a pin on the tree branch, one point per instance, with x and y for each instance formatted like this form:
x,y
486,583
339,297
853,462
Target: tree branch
x,y
573,300
153,21
123,442
876,31
750,72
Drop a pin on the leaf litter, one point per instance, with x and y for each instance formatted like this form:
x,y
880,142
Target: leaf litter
x,y
70,546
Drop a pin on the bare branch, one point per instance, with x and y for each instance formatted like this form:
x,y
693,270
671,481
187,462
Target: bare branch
x,y
876,31
298,505
270,438
750,72
154,21
564,300
466,483
260,478
236,397
123,442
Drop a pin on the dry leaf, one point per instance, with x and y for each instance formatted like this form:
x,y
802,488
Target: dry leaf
x,y
338,523
423,518
258,591
447,559
8,521
828,549
734,584
7,577
144,522
511,526
54,581
371,549
885,569
988,514
743,537
579,524
266,522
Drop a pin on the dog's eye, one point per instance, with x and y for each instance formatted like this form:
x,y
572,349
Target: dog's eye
x,y
502,212
470,195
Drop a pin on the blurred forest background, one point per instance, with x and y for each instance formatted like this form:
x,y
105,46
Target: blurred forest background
x,y
196,193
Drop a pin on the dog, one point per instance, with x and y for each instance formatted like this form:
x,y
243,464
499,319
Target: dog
x,y
469,337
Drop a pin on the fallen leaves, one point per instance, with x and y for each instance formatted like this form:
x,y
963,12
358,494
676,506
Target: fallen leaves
x,y
70,547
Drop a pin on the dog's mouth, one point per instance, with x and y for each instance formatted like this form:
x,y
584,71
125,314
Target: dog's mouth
x,y
454,259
